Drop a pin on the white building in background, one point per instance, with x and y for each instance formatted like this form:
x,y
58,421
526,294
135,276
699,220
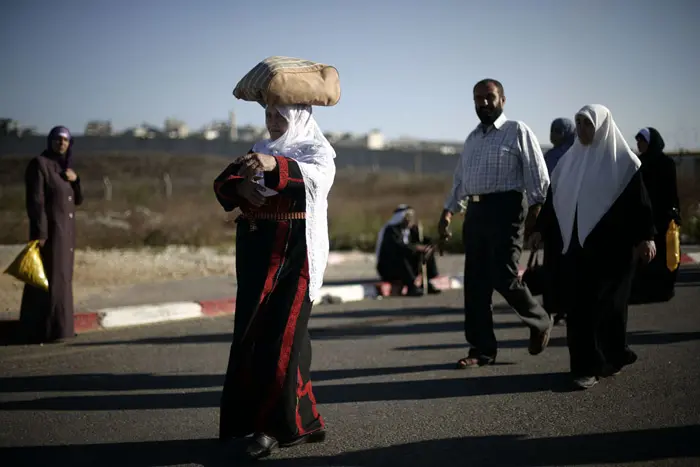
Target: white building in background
x,y
252,133
144,131
176,129
210,134
98,128
375,140
448,150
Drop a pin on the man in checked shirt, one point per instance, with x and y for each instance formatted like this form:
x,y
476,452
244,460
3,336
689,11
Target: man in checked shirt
x,y
501,163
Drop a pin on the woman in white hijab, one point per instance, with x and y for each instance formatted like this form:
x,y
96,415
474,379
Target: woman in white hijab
x,y
281,187
599,217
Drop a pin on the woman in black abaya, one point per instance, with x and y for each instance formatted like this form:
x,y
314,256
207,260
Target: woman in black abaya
x,y
655,282
599,213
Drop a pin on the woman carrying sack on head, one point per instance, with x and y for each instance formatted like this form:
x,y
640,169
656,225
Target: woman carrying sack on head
x,y
52,193
282,247
281,254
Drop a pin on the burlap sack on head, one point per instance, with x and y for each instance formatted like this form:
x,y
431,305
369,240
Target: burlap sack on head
x,y
290,81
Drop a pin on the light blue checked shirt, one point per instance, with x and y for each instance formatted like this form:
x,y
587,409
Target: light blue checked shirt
x,y
506,157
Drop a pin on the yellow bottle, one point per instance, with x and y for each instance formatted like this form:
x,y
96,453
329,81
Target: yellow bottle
x,y
673,246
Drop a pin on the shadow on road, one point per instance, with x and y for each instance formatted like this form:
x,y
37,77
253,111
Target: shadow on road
x,y
349,331
326,394
633,338
511,450
519,451
144,382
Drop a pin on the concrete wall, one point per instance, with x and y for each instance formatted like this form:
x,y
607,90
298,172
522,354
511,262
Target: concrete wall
x,y
361,158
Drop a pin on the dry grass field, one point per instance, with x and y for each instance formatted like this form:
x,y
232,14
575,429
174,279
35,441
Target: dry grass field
x,y
140,214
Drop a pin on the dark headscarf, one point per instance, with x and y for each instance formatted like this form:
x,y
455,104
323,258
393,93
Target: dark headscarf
x,y
566,128
659,174
55,132
656,143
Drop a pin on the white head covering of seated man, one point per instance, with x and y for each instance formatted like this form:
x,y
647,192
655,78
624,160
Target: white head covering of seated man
x,y
589,179
305,143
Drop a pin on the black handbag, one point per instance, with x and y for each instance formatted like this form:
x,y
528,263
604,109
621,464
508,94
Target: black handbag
x,y
534,275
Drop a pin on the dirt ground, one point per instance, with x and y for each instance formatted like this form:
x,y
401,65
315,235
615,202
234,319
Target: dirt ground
x,y
99,269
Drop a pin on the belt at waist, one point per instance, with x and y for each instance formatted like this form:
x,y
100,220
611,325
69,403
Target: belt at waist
x,y
492,196
273,216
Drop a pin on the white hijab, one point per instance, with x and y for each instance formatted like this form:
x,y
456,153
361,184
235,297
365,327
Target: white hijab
x,y
398,217
305,143
589,179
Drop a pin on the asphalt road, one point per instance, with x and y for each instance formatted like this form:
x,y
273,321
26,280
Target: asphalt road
x,y
383,374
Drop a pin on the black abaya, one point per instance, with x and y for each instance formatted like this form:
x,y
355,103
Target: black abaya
x,y
594,280
654,282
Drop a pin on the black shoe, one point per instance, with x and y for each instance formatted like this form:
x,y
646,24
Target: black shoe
x,y
432,290
318,436
261,445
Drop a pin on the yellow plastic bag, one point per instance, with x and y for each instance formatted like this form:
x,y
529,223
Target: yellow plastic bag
x,y
673,246
29,268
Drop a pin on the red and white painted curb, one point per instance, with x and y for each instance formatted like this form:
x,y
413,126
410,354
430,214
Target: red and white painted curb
x,y
690,258
120,317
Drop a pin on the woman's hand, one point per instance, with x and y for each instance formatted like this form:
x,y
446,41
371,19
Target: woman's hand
x,y
70,175
250,191
255,162
646,250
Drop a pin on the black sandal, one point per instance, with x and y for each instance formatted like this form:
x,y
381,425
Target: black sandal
x,y
473,361
261,446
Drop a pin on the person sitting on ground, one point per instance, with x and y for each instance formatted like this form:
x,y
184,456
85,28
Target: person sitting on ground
x,y
401,252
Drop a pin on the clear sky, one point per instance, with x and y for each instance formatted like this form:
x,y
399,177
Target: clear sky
x,y
406,67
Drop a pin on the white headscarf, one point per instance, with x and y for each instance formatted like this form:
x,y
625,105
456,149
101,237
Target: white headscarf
x,y
305,143
589,179
399,215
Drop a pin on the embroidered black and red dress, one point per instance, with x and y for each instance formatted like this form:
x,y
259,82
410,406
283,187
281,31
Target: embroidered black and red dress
x,y
267,387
